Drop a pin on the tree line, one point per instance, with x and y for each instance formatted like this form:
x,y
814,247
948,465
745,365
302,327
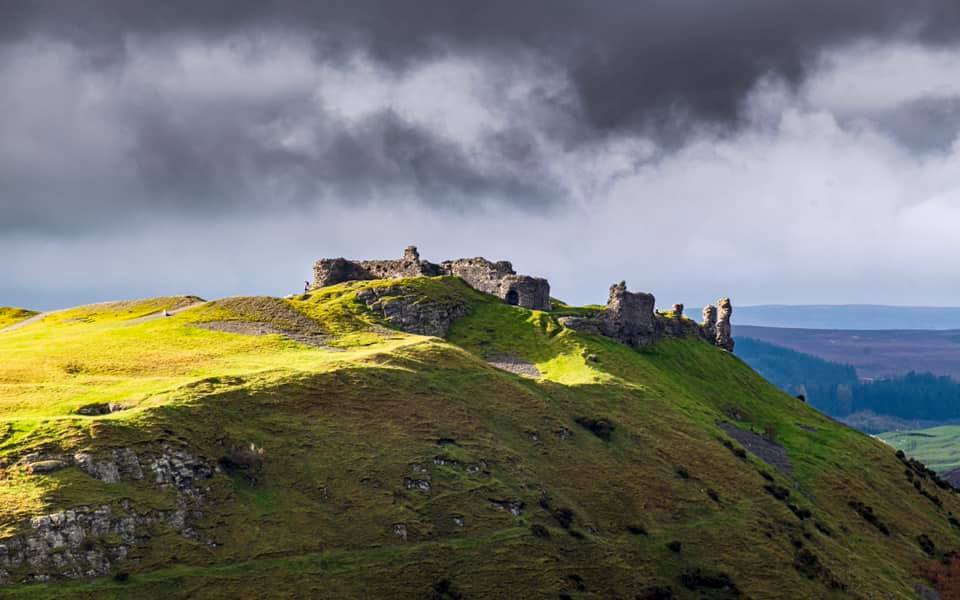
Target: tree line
x,y
833,388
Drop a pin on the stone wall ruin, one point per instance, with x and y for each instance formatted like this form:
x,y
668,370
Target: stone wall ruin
x,y
629,317
496,278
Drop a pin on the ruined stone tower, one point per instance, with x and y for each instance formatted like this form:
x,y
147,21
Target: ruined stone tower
x,y
629,316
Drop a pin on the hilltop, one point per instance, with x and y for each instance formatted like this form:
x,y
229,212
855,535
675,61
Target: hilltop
x,y
309,446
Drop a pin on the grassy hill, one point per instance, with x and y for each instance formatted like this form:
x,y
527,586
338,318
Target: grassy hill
x,y
264,447
10,315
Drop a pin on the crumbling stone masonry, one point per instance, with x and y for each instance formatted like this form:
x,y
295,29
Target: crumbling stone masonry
x,y
630,318
497,278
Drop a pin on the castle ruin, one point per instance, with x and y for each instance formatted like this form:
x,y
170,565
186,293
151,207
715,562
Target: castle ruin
x,y
629,317
495,278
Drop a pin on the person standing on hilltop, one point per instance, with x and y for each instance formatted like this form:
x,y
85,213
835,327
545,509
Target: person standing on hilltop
x,y
306,287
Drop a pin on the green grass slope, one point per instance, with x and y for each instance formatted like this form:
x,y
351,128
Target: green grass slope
x,y
937,447
10,315
366,462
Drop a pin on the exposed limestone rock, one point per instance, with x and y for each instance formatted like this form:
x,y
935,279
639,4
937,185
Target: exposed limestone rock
x,y
405,310
582,324
85,541
496,278
514,507
724,331
46,466
121,464
100,408
88,541
181,470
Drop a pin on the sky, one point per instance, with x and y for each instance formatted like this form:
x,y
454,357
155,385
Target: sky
x,y
772,151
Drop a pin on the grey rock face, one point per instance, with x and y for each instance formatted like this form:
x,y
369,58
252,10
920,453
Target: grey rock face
x,y
122,463
724,337
74,543
496,278
46,466
709,324
629,317
406,311
88,541
582,324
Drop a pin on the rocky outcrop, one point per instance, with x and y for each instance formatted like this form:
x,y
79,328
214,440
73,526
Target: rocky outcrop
x,y
89,541
724,337
496,278
408,311
85,541
709,324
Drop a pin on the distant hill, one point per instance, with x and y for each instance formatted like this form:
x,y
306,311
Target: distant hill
x,y
798,373
874,354
909,401
849,316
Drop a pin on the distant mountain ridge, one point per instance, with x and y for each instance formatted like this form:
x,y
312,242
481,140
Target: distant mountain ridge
x,y
850,316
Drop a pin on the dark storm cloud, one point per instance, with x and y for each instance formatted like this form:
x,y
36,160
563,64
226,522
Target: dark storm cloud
x,y
632,62
114,129
381,154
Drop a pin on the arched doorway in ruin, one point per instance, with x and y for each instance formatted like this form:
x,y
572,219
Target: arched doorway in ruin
x,y
513,298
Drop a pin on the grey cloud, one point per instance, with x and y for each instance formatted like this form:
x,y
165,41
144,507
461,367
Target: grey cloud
x,y
632,62
923,125
201,156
